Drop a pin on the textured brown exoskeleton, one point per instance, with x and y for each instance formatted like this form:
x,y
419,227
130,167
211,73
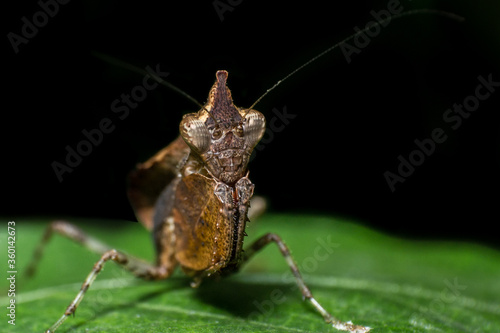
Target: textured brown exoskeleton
x,y
194,197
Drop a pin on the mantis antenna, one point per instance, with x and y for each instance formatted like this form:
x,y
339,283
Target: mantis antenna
x,y
135,69
379,23
141,71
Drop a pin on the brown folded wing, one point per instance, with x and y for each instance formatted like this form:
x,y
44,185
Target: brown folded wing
x,y
151,177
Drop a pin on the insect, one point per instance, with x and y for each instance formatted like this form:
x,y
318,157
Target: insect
x,y
194,196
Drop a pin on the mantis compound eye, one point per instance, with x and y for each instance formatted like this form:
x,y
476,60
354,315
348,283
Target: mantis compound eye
x,y
195,133
254,127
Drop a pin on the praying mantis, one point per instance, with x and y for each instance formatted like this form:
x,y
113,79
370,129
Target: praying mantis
x,y
194,196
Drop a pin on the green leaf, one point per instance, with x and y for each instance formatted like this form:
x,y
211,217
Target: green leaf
x,y
387,283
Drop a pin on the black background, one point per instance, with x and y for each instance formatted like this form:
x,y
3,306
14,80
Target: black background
x,y
352,120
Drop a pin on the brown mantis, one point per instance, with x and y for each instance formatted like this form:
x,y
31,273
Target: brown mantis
x,y
194,196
